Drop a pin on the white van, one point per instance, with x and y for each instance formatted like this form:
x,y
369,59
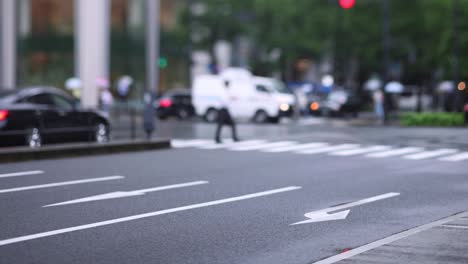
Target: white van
x,y
254,98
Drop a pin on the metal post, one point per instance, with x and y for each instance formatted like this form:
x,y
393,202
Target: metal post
x,y
386,54
152,45
455,56
8,43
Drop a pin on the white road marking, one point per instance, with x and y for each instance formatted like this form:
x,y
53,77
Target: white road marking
x,y
263,146
42,186
181,143
328,149
324,214
231,144
457,157
455,226
430,154
295,147
24,173
115,195
146,215
394,152
360,151
387,240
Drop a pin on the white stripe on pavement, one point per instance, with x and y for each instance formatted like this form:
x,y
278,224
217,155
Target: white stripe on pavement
x,y
296,147
140,216
24,173
49,185
180,143
430,154
457,157
328,149
115,195
231,144
263,146
395,152
360,151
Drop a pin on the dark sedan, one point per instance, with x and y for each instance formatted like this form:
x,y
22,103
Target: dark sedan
x,y
43,115
176,103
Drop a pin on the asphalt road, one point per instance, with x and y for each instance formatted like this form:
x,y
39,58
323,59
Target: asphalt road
x,y
232,206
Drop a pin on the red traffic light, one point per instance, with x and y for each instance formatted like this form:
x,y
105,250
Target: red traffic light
x,y
346,4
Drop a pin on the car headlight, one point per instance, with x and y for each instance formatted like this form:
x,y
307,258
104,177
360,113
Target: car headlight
x,y
284,107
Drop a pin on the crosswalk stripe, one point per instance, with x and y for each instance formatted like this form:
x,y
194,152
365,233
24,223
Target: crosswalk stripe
x,y
231,143
457,157
360,151
263,146
189,143
295,147
328,149
430,154
394,152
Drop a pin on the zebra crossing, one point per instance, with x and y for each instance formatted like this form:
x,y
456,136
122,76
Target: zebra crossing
x,y
324,148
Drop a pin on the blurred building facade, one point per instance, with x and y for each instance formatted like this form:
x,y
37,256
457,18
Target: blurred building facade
x,y
45,42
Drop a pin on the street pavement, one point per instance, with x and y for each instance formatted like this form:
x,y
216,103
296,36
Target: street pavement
x,y
299,193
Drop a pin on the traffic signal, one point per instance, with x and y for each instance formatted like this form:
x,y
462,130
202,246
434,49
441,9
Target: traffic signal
x,y
346,4
162,62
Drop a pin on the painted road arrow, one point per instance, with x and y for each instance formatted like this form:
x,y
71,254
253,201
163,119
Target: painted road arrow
x,y
335,213
115,195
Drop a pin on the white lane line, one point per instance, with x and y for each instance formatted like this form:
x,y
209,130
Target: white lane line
x,y
181,143
49,185
324,214
146,215
264,146
115,195
455,226
360,151
387,240
231,144
430,154
24,173
296,147
457,157
328,149
394,152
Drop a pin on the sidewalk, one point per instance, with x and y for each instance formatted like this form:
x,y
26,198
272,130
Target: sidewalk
x,y
444,241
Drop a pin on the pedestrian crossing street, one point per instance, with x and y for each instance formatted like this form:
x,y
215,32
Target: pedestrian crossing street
x,y
324,148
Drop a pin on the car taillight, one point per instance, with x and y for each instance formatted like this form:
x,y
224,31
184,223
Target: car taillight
x,y
3,114
165,103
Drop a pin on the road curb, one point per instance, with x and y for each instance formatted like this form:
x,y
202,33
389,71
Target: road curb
x,y
79,150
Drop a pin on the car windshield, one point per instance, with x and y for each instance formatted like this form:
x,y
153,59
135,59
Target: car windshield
x,y
280,87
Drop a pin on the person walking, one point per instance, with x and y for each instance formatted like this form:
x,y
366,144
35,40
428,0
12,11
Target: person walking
x,y
224,116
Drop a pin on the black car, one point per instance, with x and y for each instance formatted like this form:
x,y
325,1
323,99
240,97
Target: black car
x,y
42,115
336,103
177,103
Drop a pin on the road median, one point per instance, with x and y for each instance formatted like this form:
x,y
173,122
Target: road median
x,y
79,149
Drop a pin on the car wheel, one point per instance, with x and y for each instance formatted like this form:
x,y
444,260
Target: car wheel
x,y
101,133
260,117
34,138
211,115
183,114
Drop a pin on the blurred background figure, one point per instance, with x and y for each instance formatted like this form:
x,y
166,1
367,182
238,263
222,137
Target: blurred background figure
x,y
378,99
106,100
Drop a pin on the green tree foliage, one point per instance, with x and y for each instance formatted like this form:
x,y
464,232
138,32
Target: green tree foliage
x,y
421,32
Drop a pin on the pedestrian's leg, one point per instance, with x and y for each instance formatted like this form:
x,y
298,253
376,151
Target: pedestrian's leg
x,y
234,131
219,126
